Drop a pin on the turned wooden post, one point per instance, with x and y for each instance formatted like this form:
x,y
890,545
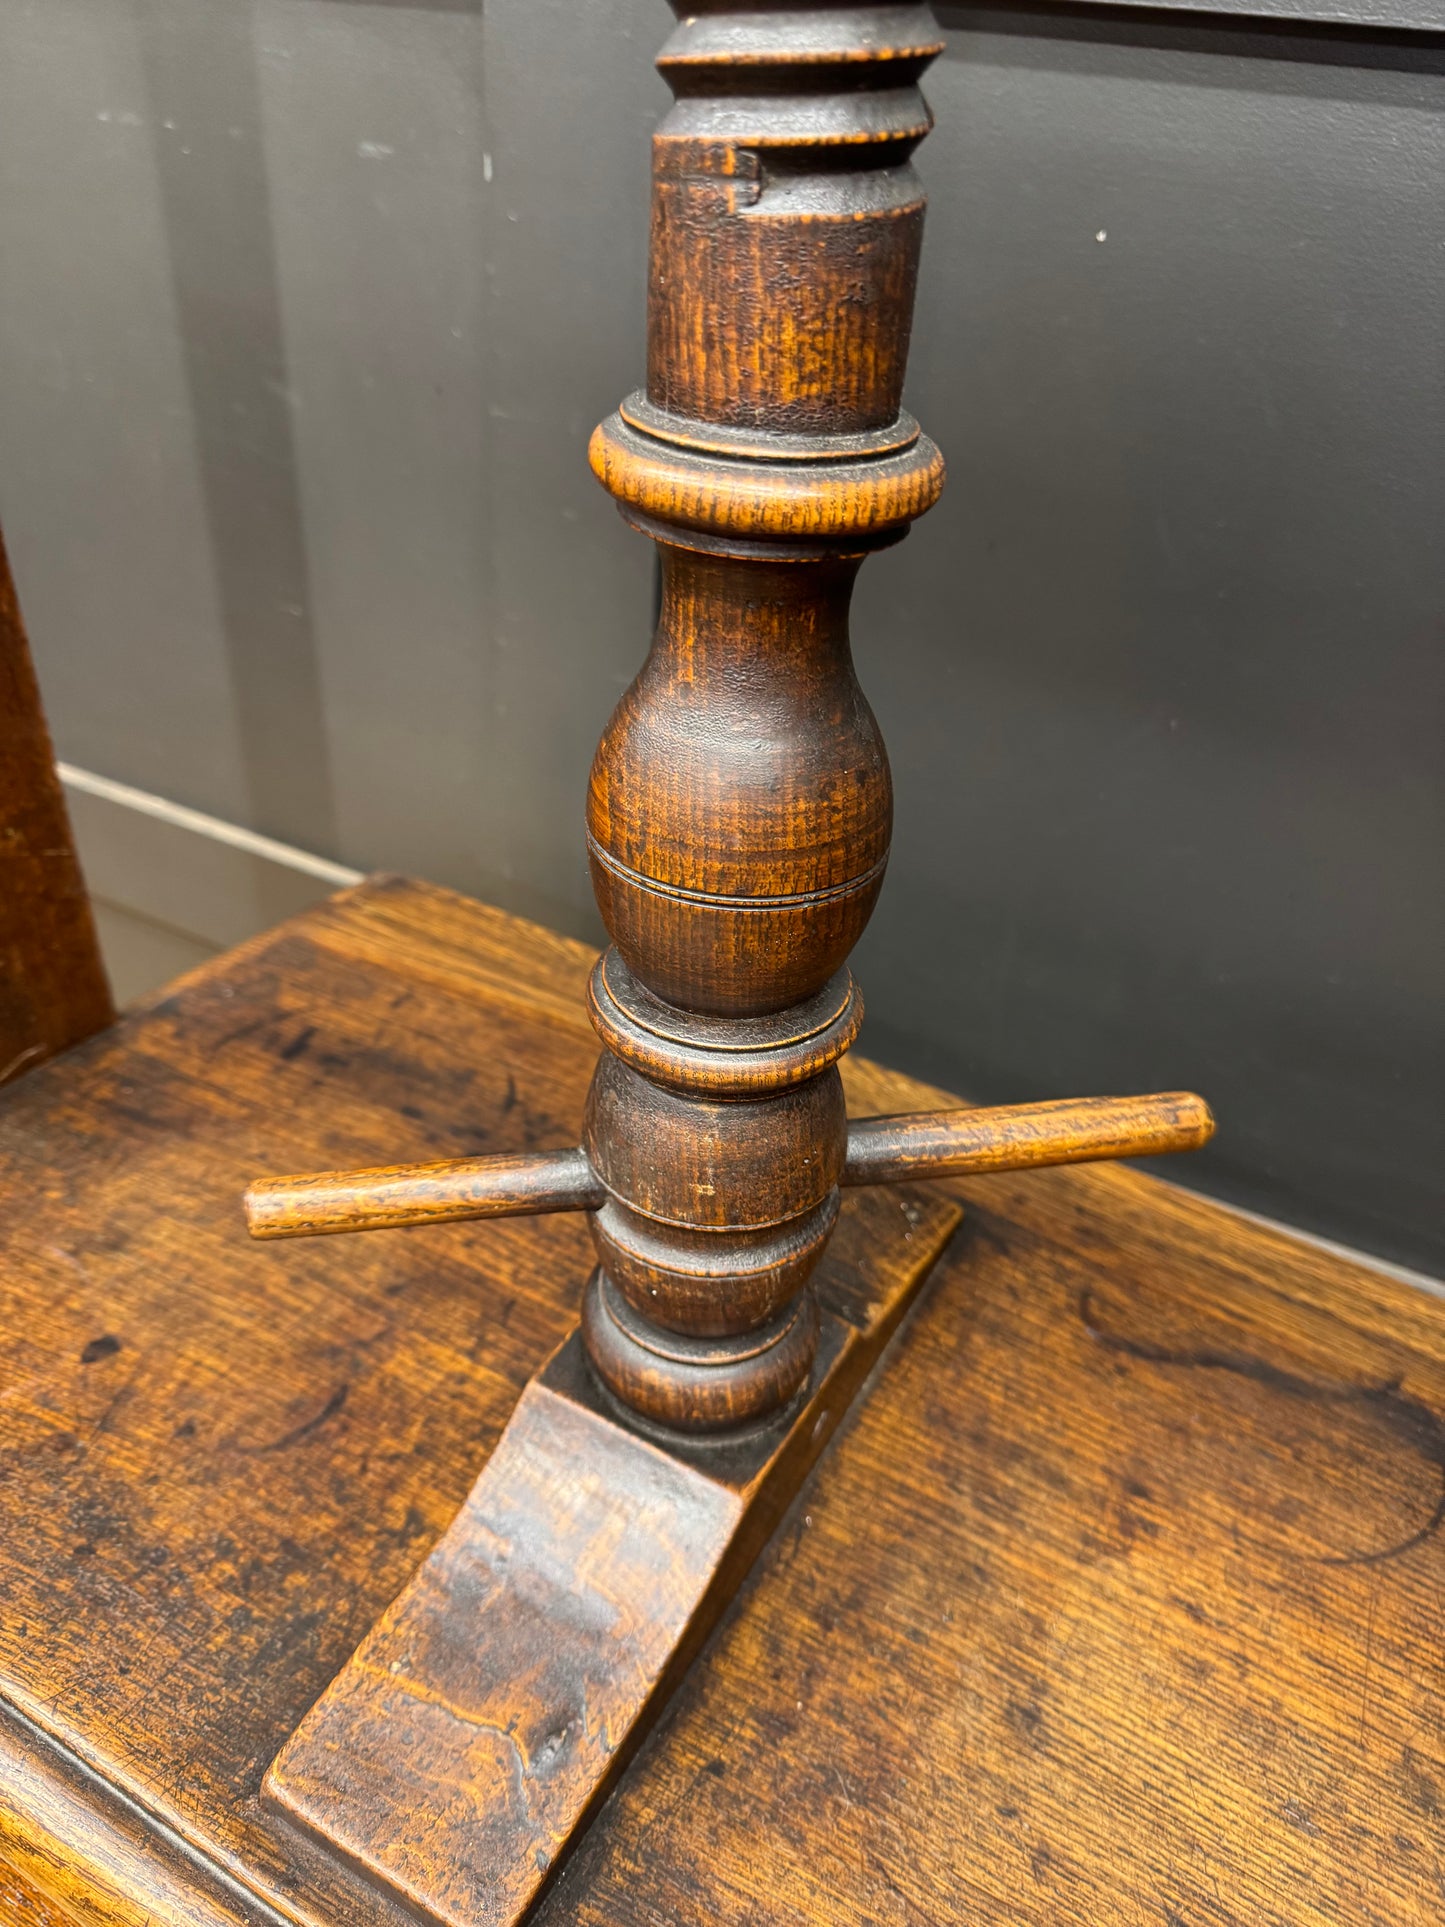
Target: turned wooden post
x,y
53,989
738,821
740,806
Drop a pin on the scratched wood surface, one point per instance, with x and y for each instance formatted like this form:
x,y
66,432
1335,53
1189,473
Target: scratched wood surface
x,y
1119,1599
220,1461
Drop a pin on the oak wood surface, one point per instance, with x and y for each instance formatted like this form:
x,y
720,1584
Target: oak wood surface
x,y
222,1461
457,1754
1118,1600
220,1464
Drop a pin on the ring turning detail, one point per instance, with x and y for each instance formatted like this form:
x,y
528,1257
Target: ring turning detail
x,y
670,1267
738,821
740,806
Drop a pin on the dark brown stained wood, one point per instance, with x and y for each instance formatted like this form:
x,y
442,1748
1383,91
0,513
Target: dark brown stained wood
x,y
880,1150
740,805
527,1185
1054,1632
486,1713
53,989
1022,1137
744,208
1119,1601
1054,1602
219,1462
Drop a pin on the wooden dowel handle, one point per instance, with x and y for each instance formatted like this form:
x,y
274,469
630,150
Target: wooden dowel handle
x,y
508,1185
1014,1137
881,1150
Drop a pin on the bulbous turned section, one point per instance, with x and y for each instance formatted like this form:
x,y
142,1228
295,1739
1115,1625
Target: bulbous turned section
x,y
710,1165
703,1284
740,805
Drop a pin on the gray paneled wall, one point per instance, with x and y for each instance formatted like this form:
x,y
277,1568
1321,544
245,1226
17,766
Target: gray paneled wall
x,y
307,306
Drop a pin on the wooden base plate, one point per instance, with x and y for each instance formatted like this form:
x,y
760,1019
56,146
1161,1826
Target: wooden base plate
x,y
480,1723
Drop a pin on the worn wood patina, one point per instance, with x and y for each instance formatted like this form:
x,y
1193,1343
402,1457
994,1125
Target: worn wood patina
x,y
348,1578
738,824
1118,1597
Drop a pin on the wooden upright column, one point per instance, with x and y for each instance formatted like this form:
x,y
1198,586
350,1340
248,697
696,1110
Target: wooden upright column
x,y
738,822
740,805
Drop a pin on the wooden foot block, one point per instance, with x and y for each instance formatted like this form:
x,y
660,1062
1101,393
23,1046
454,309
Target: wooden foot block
x,y
470,1737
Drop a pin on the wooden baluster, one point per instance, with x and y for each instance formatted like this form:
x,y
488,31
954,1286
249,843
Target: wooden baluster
x,y
740,807
738,822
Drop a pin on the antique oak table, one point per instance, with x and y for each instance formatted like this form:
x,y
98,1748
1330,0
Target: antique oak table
x,y
1116,1599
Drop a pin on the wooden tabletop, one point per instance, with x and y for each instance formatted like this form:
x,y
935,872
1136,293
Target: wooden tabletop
x,y
1118,1600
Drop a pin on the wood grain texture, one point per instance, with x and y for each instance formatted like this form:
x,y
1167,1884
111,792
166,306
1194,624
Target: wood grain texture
x,y
786,163
740,804
1120,1601
739,809
53,988
458,1754
219,1462
879,1150
859,505
1024,1137
531,1183
73,1854
1058,1603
